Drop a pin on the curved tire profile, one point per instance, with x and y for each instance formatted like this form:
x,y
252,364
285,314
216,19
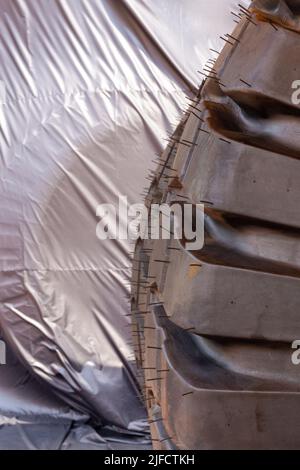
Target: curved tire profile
x,y
213,328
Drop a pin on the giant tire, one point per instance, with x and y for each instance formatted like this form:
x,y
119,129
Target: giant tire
x,y
213,329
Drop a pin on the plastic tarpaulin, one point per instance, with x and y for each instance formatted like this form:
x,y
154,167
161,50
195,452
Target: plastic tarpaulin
x,y
89,90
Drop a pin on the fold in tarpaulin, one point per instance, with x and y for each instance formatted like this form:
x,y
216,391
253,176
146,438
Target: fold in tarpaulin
x,y
89,90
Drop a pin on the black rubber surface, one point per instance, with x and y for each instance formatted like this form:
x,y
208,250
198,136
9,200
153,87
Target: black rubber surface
x,y
213,328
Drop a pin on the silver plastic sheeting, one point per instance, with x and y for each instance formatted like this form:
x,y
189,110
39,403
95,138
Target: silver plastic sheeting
x,y
89,90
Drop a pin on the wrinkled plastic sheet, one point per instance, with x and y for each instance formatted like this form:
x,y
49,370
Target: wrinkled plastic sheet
x,y
89,90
